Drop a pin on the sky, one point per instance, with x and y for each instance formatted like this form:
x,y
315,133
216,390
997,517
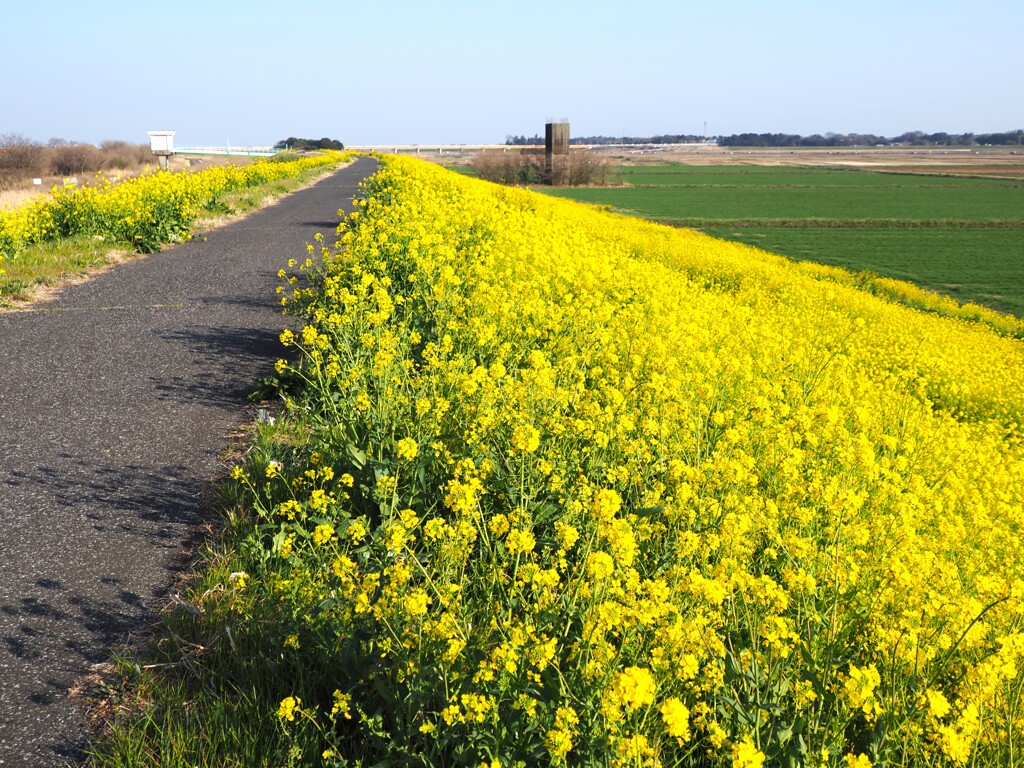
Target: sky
x,y
381,72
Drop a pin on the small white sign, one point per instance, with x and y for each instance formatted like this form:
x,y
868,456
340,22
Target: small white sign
x,y
161,142
37,182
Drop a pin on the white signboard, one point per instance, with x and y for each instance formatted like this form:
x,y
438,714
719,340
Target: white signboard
x,y
161,142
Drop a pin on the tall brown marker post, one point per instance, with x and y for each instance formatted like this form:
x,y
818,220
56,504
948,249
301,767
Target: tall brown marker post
x,y
556,142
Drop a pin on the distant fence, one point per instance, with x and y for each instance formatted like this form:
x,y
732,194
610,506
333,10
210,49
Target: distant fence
x,y
249,151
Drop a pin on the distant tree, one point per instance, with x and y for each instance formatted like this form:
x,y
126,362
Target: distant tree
x,y
308,144
518,141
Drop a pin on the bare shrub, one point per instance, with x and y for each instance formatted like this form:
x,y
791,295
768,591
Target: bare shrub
x,y
117,154
20,159
74,159
122,155
578,168
509,167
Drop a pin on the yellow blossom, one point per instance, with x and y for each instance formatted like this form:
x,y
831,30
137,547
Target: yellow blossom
x,y
635,687
289,707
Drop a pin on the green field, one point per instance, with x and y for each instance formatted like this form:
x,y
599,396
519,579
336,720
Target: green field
x,y
960,236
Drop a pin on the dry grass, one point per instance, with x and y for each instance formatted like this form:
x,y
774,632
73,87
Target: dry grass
x,y
11,198
998,162
1004,162
580,167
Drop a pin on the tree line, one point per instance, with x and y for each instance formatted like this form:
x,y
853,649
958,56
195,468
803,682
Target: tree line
x,y
589,140
909,138
308,144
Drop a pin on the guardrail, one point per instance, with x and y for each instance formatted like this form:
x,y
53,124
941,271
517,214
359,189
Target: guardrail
x,y
249,151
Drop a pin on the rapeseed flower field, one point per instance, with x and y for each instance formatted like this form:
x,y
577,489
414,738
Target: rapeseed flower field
x,y
560,487
144,212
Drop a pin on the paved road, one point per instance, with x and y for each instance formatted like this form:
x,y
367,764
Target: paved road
x,y
116,401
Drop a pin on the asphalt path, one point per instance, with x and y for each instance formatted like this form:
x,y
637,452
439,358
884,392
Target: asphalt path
x,y
117,402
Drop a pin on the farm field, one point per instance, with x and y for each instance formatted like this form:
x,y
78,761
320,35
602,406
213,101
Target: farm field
x,y
961,236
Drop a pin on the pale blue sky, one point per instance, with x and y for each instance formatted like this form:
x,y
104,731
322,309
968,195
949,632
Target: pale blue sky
x,y
397,71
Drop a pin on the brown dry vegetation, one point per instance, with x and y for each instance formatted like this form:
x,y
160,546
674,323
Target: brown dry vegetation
x,y
510,166
1003,162
22,159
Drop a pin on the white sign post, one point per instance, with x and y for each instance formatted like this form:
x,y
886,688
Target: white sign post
x,y
162,145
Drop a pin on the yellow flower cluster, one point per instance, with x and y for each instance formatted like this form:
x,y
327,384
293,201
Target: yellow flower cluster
x,y
145,211
625,494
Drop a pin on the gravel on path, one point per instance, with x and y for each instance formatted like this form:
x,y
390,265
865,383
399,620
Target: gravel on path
x,y
117,400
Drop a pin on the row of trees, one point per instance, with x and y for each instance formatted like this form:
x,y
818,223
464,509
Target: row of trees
x,y
910,138
516,141
308,144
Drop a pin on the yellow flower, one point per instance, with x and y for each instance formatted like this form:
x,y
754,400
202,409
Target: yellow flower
x,y
676,717
520,541
635,687
558,739
289,707
600,565
938,705
341,705
859,689
606,504
746,755
287,546
498,525
356,531
239,580
323,533
417,602
525,438
567,535
406,449
856,761
434,529
289,508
